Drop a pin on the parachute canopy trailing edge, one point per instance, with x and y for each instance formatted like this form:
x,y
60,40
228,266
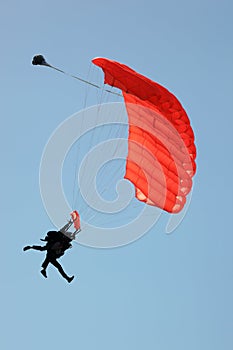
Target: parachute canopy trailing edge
x,y
161,150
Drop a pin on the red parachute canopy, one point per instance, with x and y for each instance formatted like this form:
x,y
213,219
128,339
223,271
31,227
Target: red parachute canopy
x,y
161,150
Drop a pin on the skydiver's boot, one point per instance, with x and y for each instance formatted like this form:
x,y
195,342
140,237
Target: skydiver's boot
x,y
62,272
70,279
27,248
43,272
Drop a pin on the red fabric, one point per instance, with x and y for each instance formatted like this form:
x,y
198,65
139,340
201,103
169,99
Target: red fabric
x,y
161,150
76,219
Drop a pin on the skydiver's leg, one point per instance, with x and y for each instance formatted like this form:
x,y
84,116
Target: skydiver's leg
x,y
35,247
38,247
60,269
45,265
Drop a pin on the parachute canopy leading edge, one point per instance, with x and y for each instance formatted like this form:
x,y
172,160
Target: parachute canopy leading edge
x,y
161,150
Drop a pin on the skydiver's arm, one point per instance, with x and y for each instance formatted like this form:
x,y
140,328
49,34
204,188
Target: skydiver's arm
x,y
38,247
35,247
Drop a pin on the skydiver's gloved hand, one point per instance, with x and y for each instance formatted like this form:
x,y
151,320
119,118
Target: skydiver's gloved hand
x,y
26,248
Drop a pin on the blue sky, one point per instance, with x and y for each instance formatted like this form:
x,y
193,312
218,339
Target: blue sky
x,y
162,291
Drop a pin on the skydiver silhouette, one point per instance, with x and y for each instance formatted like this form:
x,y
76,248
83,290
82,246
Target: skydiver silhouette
x,y
57,243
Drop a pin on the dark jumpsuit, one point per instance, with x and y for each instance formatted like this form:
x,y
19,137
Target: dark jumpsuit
x,y
54,251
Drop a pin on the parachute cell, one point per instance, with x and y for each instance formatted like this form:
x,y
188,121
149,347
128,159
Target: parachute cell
x,y
161,150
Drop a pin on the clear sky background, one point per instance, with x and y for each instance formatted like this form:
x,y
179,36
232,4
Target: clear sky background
x,y
163,291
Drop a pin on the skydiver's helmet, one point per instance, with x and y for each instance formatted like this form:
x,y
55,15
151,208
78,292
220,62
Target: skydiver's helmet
x,y
51,235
